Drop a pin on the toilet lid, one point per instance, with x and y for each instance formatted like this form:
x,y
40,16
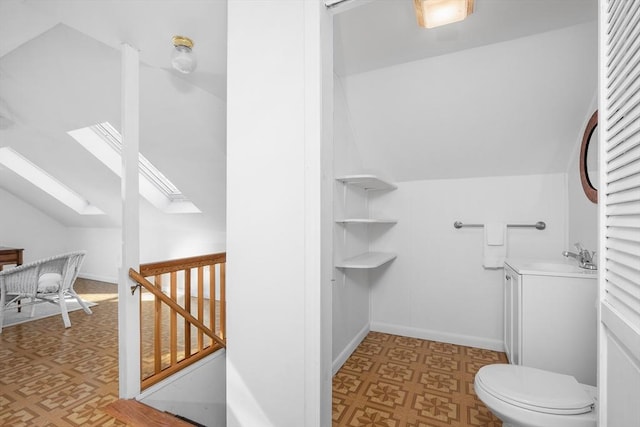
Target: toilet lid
x,y
535,389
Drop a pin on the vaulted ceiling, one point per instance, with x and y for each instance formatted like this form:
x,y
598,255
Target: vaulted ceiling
x,y
60,70
415,97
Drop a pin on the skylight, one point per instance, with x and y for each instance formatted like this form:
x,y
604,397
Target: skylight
x,y
104,141
41,179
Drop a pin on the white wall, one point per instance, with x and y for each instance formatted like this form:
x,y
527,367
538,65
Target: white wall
x,y
351,287
437,287
175,238
197,392
277,374
103,246
180,237
23,226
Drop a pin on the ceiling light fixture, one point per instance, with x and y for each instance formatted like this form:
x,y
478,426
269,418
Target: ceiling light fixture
x,y
182,58
434,13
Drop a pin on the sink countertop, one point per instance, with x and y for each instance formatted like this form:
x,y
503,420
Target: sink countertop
x,y
551,267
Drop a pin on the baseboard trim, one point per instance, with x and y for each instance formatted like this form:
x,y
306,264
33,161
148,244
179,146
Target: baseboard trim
x,y
426,334
112,280
350,348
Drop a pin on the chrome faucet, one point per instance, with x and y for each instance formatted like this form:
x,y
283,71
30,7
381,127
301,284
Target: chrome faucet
x,y
584,257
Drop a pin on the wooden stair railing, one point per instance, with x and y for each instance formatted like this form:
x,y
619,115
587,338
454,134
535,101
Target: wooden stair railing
x,y
166,348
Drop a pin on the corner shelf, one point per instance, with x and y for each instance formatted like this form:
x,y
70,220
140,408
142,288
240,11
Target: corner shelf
x,y
366,221
367,260
368,182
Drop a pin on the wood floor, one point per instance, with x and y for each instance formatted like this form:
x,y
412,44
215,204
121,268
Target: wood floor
x,y
138,414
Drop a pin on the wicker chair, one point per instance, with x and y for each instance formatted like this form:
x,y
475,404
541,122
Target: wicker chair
x,y
49,279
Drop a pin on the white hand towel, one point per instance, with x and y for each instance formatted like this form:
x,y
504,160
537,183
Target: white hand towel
x,y
495,245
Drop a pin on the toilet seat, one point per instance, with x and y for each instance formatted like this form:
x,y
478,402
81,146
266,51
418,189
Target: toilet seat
x,y
535,389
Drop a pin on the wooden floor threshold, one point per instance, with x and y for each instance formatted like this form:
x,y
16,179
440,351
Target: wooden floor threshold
x,y
137,414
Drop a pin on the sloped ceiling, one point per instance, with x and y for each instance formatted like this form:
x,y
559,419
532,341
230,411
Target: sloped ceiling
x,y
505,92
48,100
513,108
383,33
60,70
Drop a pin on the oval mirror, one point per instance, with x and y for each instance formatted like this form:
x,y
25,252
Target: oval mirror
x,y
589,159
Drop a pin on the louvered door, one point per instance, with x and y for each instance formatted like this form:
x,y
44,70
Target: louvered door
x,y
619,213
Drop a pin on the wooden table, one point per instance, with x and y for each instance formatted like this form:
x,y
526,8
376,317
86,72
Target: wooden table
x,y
10,256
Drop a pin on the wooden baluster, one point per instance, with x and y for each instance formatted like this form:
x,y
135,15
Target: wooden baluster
x,y
212,298
173,323
223,302
157,328
200,306
187,307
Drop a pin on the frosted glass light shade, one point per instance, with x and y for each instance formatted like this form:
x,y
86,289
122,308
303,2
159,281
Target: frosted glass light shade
x,y
434,13
182,58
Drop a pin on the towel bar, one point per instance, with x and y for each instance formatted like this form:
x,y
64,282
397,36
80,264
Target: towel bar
x,y
540,225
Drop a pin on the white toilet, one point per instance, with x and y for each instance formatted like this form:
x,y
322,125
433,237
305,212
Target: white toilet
x,y
521,396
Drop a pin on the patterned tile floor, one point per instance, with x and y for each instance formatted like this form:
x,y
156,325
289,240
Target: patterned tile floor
x,y
395,381
52,376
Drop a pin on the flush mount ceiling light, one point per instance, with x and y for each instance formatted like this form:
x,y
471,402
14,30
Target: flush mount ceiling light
x,y
434,13
182,58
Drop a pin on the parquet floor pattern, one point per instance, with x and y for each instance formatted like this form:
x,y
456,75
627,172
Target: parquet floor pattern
x,y
52,376
395,381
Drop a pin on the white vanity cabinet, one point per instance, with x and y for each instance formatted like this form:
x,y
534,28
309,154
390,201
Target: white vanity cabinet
x,y
512,315
550,317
